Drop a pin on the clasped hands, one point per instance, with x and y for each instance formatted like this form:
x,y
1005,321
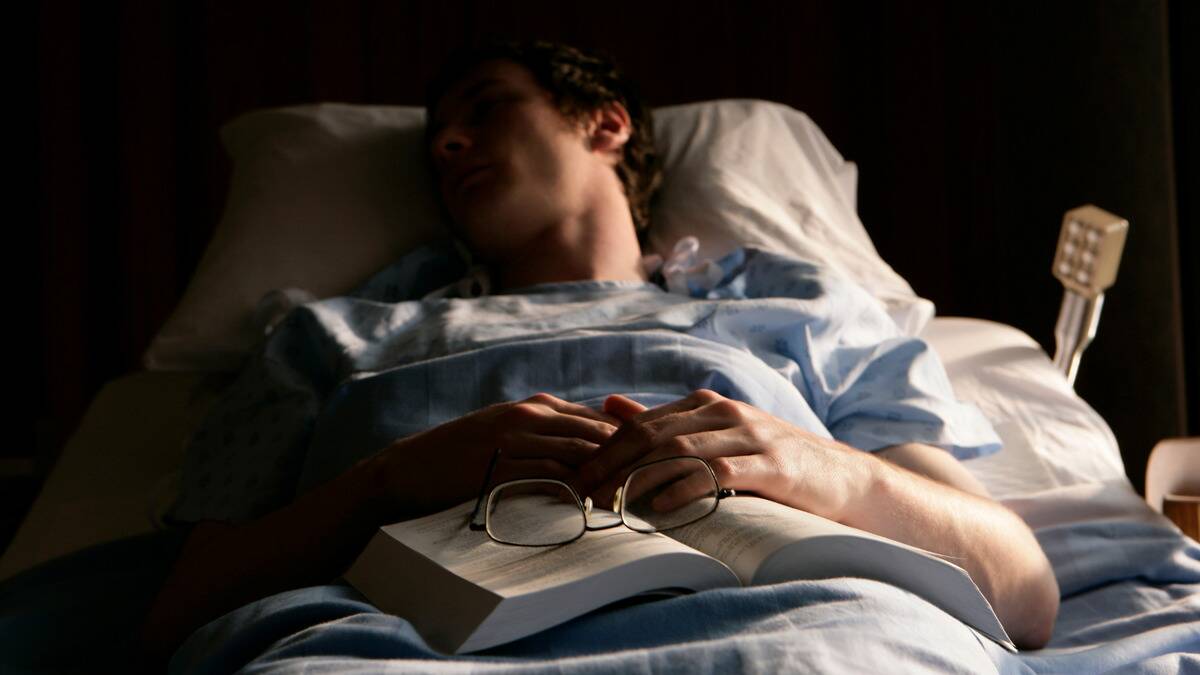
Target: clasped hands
x,y
543,436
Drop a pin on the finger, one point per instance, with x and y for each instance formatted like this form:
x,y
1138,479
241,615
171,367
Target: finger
x,y
720,427
685,488
650,426
569,408
654,477
631,446
541,418
696,399
678,443
567,425
637,439
695,487
727,452
515,469
622,407
568,450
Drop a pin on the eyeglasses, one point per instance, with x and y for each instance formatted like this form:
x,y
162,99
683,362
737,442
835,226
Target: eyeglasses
x,y
656,496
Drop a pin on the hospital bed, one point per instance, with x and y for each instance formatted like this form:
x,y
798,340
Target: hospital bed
x,y
324,195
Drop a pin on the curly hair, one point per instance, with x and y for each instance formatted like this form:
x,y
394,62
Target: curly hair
x,y
579,82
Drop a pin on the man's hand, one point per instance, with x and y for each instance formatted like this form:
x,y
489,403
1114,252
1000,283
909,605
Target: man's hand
x,y
748,449
913,493
317,536
542,437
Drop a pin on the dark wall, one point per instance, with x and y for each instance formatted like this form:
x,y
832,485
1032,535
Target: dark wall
x,y
1184,26
975,126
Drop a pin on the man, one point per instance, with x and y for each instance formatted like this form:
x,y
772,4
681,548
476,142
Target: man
x,y
549,189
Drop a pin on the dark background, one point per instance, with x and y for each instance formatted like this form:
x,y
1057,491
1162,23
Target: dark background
x,y
974,125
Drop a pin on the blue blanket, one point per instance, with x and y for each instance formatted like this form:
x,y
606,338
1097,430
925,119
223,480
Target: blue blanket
x,y
1130,584
1131,603
340,379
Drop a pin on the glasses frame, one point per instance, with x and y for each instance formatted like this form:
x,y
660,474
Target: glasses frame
x,y
585,505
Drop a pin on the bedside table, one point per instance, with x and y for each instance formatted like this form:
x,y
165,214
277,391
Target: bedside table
x,y
1173,482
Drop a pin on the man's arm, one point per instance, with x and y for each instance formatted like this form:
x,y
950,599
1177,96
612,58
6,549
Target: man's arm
x,y
316,537
223,567
936,504
913,493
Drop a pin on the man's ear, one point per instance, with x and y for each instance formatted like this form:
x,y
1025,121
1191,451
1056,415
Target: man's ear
x,y
609,129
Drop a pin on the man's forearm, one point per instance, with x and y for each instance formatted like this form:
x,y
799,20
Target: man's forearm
x,y
223,567
986,539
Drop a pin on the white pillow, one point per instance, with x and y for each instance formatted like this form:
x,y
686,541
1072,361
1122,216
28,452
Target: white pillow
x,y
321,197
740,172
325,195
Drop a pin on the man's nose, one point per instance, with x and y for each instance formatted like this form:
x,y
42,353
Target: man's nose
x,y
450,142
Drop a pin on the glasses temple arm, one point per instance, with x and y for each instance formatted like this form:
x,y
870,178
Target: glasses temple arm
x,y
487,478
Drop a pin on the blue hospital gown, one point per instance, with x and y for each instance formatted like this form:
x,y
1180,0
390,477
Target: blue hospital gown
x,y
339,379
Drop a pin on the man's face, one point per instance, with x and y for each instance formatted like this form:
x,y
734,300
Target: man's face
x,y
509,164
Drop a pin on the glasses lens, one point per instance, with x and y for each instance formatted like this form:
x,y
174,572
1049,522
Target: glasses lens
x,y
668,494
534,513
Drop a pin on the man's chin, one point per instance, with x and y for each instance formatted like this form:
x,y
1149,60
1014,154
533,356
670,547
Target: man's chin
x,y
492,219
482,232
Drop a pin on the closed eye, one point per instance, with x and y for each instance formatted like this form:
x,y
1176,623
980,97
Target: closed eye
x,y
482,108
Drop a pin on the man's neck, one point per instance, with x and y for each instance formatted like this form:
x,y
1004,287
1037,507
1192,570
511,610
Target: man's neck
x,y
552,258
601,245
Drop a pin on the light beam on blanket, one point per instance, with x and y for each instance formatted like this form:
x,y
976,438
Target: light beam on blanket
x,y
1089,252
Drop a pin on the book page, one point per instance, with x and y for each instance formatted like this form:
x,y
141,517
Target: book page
x,y
744,531
765,542
513,570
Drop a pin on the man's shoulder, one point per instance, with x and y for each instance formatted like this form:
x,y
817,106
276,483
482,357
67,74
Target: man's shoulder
x,y
415,274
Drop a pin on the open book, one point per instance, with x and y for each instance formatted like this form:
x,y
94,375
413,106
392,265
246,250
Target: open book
x,y
464,592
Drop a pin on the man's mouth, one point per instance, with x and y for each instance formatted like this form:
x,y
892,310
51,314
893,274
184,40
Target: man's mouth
x,y
471,175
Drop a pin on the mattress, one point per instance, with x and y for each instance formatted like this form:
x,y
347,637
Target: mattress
x,y
114,476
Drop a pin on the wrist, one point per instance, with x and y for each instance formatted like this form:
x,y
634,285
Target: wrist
x,y
375,481
868,478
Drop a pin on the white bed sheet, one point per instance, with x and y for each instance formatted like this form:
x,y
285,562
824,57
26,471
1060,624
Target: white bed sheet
x,y
1052,438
